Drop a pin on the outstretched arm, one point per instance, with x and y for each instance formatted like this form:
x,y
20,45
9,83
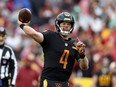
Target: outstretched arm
x,y
13,68
37,36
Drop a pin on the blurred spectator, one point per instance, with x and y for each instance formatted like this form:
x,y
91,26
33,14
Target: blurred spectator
x,y
15,41
22,3
57,3
3,14
36,50
27,76
113,67
67,5
32,63
36,6
10,5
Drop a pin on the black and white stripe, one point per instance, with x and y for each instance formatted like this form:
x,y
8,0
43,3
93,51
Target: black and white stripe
x,y
8,64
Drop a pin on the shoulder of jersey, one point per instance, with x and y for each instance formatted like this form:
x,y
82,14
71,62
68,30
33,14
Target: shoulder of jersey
x,y
7,46
49,31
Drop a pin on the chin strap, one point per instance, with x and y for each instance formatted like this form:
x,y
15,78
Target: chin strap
x,y
65,33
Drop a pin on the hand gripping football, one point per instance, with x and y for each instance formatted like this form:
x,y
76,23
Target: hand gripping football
x,y
24,15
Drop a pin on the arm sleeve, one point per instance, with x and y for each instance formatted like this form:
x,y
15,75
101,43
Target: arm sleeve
x,y
13,67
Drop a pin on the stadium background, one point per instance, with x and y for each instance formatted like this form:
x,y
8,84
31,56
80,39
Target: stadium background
x,y
95,26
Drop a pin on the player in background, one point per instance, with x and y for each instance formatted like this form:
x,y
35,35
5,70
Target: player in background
x,y
104,77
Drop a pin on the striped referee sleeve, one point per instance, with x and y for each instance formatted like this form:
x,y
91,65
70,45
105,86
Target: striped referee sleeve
x,y
14,72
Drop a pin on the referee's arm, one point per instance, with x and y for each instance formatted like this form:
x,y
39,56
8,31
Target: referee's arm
x,y
14,68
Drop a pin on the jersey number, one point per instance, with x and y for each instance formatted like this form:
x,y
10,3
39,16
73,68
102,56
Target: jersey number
x,y
64,58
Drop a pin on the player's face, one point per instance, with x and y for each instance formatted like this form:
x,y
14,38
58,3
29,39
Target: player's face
x,y
2,39
65,26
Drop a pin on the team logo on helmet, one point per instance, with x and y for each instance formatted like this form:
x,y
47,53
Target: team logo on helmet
x,y
66,14
67,19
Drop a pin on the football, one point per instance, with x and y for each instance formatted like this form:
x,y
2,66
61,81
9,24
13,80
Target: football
x,y
24,15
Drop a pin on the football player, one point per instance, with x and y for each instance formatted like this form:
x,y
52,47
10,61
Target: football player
x,y
60,51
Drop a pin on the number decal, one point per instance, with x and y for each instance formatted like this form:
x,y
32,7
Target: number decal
x,y
104,80
64,58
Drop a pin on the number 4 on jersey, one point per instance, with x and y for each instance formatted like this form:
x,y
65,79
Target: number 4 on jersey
x,y
64,58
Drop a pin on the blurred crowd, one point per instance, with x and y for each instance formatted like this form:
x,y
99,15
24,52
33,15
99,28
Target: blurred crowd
x,y
95,26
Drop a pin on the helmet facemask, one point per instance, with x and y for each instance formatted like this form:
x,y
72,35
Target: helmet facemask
x,y
62,32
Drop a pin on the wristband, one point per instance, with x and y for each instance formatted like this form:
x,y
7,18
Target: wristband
x,y
82,56
22,26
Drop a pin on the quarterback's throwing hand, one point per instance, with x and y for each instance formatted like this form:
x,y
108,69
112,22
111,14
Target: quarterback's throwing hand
x,y
19,22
